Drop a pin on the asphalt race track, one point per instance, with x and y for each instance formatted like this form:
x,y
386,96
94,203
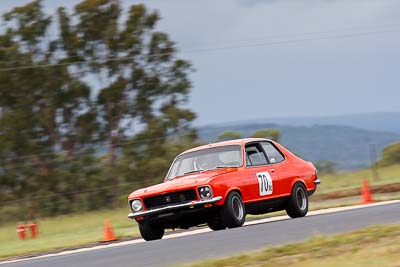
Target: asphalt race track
x,y
194,247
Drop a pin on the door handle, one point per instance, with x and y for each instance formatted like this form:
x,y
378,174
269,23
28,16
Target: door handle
x,y
272,170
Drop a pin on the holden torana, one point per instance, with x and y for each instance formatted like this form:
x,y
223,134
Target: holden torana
x,y
218,184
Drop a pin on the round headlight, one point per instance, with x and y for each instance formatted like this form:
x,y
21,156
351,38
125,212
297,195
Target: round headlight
x,y
205,192
136,205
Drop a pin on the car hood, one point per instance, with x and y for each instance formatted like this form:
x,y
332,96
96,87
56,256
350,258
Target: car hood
x,y
180,183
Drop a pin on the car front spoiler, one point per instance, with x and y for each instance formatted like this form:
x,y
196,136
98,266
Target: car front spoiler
x,y
190,204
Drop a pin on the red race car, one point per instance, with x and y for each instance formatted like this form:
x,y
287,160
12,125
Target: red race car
x,y
218,184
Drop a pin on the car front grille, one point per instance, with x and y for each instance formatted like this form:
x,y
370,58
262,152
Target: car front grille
x,y
170,198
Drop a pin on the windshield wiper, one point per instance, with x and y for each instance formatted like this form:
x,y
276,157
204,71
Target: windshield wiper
x,y
221,167
192,171
224,166
189,172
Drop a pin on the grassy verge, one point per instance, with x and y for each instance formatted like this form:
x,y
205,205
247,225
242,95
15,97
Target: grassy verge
x,y
80,229
373,246
352,180
66,231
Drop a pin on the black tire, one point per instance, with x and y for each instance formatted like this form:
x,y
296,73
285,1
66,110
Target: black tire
x,y
151,232
216,225
233,213
298,202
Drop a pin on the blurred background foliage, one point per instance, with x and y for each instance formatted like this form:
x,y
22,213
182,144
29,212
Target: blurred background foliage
x,y
390,155
90,113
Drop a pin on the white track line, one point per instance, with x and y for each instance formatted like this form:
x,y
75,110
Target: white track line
x,y
202,230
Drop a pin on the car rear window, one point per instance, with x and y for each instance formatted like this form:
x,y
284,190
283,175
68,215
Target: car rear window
x,y
273,154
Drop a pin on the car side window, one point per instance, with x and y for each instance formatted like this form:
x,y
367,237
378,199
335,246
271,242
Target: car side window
x,y
254,155
273,154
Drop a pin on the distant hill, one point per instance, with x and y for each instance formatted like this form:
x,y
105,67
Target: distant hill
x,y
347,146
383,122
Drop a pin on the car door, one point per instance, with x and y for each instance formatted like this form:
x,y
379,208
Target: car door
x,y
258,170
277,165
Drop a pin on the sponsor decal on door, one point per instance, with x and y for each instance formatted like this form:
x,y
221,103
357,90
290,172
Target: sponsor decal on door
x,y
264,183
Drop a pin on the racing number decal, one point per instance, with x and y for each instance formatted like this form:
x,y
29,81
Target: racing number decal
x,y
264,183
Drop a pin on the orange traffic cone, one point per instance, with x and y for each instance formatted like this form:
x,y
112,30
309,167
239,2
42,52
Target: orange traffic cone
x,y
366,193
108,232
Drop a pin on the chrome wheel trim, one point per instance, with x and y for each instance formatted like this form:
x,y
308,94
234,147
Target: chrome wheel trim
x,y
301,198
237,208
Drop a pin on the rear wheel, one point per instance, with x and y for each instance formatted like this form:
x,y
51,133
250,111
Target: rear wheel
x,y
150,231
233,213
298,202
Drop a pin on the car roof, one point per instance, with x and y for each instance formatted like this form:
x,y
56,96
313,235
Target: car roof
x,y
225,143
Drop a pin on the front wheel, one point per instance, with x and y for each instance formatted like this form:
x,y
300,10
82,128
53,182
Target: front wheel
x,y
216,225
233,213
298,202
151,232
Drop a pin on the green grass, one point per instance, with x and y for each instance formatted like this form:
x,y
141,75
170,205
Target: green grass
x,y
66,231
79,229
372,246
351,180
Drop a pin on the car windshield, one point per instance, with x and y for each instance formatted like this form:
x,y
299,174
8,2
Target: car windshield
x,y
206,159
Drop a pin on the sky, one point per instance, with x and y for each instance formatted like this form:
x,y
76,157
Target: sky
x,y
285,58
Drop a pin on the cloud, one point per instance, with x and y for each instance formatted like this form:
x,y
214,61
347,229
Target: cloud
x,y
253,3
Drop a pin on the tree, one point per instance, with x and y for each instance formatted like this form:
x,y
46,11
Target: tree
x,y
229,135
44,110
149,156
107,80
390,155
326,166
273,134
145,87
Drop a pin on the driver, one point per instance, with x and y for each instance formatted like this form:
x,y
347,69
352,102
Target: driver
x,y
208,162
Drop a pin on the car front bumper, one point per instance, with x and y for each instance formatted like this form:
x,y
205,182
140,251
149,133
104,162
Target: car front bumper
x,y
190,204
